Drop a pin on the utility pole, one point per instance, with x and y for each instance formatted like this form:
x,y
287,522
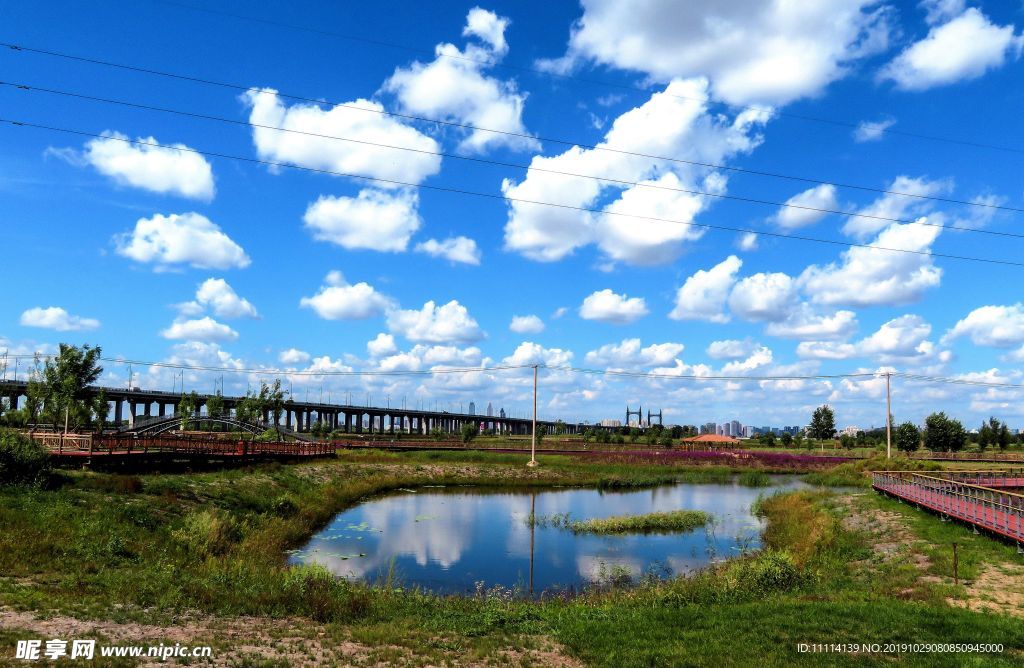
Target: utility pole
x,y
888,418
533,440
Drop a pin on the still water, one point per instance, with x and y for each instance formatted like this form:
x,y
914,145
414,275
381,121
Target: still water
x,y
448,540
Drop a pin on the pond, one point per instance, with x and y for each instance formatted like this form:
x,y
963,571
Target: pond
x,y
450,540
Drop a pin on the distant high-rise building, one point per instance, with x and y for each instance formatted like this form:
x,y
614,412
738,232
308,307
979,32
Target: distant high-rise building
x,y
611,423
490,410
501,413
737,429
709,428
472,408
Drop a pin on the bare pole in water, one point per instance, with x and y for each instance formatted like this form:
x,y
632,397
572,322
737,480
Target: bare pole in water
x,y
533,440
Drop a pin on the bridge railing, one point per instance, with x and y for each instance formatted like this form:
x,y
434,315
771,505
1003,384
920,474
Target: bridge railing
x,y
997,510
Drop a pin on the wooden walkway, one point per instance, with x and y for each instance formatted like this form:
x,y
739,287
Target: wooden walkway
x,y
188,447
979,498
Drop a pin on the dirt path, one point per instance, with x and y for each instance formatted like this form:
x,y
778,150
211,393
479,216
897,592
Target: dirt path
x,y
253,640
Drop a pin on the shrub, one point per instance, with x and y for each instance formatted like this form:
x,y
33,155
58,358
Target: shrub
x,y
208,532
22,460
907,437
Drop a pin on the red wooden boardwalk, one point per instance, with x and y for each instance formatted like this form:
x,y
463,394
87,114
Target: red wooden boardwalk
x,y
980,498
184,446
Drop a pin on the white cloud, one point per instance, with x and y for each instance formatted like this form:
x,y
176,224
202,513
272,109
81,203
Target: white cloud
x,y
702,296
964,48
375,220
186,239
172,169
383,344
759,357
999,326
730,349
880,213
293,356
801,209
871,277
526,324
338,300
752,50
607,306
631,354
200,329
56,318
804,323
454,87
454,249
826,350
528,353
872,130
763,297
305,148
559,312
673,122
221,298
899,338
748,242
449,323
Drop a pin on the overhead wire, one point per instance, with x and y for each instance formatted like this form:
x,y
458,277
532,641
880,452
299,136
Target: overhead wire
x,y
519,135
500,163
461,191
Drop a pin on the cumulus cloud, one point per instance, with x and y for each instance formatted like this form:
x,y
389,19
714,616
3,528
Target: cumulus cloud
x,y
215,294
752,50
730,349
998,326
763,297
309,144
902,339
199,329
872,277
872,130
526,324
674,122
607,306
383,344
338,300
804,323
703,295
454,87
454,249
293,356
175,240
168,169
963,48
803,209
56,318
374,220
907,204
748,242
632,354
759,357
448,323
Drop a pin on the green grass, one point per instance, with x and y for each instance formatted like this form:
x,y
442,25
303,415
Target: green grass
x,y
672,521
754,479
153,547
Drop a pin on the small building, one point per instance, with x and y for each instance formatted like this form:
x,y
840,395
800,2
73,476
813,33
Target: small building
x,y
710,441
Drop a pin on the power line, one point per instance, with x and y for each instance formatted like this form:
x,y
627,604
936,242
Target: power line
x,y
951,380
587,80
508,133
488,161
460,191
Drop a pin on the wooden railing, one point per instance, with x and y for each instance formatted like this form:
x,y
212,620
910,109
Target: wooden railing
x,y
996,510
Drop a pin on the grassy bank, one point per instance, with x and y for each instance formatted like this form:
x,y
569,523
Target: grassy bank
x,y
673,521
161,549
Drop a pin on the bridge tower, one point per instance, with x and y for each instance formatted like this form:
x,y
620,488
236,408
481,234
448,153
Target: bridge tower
x,y
657,415
639,413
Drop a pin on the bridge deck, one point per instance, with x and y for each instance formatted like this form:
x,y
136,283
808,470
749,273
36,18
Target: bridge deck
x,y
980,498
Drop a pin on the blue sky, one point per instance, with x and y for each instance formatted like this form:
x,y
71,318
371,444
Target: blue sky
x,y
165,255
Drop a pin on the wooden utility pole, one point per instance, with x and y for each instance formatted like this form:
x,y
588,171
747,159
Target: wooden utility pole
x,y
888,418
533,440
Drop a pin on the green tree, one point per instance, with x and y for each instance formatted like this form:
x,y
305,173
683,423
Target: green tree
x,y
1004,438
769,439
847,441
823,423
188,407
469,431
907,437
215,405
61,392
271,400
676,431
787,439
100,409
542,431
944,434
559,427
634,435
986,434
